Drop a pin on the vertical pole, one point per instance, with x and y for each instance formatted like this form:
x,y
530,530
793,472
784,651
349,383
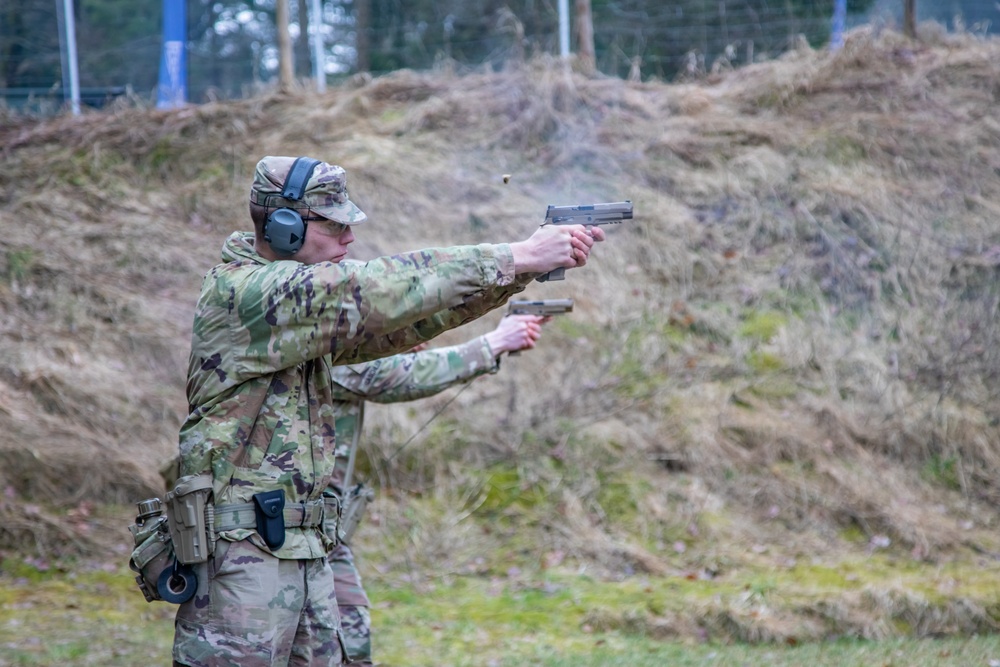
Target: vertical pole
x,y
564,28
585,36
363,20
910,18
316,28
172,88
286,59
839,19
67,38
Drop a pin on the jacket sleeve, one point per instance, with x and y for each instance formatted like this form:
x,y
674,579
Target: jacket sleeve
x,y
405,377
254,319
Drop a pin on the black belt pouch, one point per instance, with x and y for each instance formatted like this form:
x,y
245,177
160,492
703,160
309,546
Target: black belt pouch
x,y
269,507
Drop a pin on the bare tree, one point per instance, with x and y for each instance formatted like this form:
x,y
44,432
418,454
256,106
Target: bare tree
x,y
286,60
363,47
585,36
302,55
910,18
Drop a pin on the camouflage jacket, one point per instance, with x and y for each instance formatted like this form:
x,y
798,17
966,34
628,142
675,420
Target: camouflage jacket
x,y
265,338
403,377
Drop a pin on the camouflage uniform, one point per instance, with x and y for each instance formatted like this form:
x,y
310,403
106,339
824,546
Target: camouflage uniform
x,y
265,338
395,379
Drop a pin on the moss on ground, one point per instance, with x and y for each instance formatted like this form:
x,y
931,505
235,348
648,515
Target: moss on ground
x,y
85,614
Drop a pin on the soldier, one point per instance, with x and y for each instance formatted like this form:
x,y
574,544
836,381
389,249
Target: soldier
x,y
404,377
271,322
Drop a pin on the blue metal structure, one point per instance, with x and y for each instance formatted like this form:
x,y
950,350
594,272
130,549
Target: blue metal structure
x,y
172,89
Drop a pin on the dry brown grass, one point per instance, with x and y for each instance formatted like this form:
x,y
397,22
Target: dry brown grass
x,y
850,198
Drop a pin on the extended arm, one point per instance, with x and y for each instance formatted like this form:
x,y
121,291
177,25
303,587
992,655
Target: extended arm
x,y
405,377
255,318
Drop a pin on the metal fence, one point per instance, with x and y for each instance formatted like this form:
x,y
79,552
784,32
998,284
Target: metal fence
x,y
697,40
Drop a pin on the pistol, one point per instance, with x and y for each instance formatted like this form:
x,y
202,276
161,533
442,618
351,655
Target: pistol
x,y
584,214
544,308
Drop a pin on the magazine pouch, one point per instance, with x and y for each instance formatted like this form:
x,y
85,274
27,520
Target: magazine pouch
x,y
269,507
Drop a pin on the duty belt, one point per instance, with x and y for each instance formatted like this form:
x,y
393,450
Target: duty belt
x,y
310,514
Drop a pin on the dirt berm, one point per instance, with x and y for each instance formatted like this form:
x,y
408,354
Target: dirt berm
x,y
793,350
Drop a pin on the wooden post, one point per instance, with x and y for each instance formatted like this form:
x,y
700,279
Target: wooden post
x,y
286,60
585,36
910,18
362,45
301,46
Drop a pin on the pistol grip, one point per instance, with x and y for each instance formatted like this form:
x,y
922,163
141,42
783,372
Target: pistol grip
x,y
555,274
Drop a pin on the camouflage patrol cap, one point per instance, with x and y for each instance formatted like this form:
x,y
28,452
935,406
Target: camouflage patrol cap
x,y
325,192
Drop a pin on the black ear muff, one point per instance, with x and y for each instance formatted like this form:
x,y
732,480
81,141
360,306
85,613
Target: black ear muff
x,y
285,230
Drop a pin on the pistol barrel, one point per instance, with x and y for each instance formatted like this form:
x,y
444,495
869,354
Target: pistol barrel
x,y
589,214
542,308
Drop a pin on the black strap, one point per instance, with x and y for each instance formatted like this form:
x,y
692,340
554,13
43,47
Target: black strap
x,y
298,176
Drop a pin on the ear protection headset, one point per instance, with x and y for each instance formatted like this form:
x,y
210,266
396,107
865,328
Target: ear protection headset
x,y
285,230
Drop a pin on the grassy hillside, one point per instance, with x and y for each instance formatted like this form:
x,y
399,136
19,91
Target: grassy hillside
x,y
787,363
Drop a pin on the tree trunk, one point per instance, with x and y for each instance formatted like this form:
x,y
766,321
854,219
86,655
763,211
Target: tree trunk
x,y
910,18
585,36
286,61
303,57
362,45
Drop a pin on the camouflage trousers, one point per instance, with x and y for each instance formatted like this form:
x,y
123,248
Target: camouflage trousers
x,y
254,610
355,616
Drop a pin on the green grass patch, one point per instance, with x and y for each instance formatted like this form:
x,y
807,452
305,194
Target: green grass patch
x,y
844,151
762,326
162,153
619,496
843,653
92,616
82,617
764,362
641,365
505,487
563,619
93,167
392,115
942,470
18,264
